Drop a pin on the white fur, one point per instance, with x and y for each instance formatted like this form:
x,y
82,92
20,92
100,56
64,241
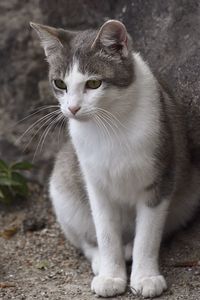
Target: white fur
x,y
145,276
117,173
76,94
137,134
117,163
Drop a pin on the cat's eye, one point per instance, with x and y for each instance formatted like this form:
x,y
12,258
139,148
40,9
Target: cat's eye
x,y
93,84
60,84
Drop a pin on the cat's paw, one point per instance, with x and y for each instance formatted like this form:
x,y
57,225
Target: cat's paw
x,y
107,286
149,287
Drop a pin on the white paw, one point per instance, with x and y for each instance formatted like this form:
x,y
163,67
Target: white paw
x,y
149,287
107,286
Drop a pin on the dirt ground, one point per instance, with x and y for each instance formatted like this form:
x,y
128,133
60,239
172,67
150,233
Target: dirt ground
x,y
37,263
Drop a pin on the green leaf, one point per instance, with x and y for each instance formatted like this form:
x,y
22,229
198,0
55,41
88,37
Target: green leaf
x,y
22,190
1,195
5,181
7,195
21,186
12,183
17,177
24,165
3,166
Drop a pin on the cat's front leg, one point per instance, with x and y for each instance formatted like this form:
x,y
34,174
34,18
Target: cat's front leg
x,y
111,279
146,279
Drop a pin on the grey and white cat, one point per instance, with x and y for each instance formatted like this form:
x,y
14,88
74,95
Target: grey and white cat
x,y
127,174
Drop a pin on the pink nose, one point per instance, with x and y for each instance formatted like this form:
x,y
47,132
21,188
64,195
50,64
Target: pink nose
x,y
74,109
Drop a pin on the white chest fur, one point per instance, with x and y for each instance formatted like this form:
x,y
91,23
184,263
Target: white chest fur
x,y
119,166
122,164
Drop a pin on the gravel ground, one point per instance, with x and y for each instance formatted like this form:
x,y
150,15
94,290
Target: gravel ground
x,y
37,262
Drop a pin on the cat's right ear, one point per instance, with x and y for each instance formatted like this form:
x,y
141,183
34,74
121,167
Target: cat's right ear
x,y
113,36
49,37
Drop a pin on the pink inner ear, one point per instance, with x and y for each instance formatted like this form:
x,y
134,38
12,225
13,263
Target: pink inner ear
x,y
114,30
123,38
126,41
113,33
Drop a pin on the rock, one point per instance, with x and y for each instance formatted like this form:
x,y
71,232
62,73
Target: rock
x,y
165,32
33,224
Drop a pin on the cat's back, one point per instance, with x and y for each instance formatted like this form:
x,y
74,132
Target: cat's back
x,y
187,114
192,111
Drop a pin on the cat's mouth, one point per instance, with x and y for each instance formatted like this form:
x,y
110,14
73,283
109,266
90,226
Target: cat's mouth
x,y
79,117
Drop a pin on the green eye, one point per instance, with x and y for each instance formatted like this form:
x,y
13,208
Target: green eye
x,y
60,84
93,84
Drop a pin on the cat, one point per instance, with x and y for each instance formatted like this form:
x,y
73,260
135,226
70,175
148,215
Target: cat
x,y
126,176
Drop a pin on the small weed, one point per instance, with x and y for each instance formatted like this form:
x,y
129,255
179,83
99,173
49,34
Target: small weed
x,y
42,265
12,183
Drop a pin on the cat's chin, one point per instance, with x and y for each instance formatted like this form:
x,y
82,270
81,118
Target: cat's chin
x,y
79,118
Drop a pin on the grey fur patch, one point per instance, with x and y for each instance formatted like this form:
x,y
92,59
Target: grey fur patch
x,y
172,155
106,62
162,186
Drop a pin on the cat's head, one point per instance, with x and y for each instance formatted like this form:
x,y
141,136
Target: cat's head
x,y
89,70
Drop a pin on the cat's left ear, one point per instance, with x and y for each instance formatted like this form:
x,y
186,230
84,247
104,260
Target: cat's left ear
x,y
49,37
113,35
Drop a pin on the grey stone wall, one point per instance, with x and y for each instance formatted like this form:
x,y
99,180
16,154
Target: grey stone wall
x,y
167,33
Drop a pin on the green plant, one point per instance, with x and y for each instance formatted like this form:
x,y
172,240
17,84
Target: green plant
x,y
12,183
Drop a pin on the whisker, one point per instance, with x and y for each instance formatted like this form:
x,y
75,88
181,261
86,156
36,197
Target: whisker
x,y
44,134
114,117
102,127
63,121
34,113
55,122
102,121
112,128
46,122
35,123
109,119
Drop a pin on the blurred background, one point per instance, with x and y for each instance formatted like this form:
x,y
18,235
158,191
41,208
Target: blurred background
x,y
166,33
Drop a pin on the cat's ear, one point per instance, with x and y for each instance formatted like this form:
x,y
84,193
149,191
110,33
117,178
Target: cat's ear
x,y
113,35
49,37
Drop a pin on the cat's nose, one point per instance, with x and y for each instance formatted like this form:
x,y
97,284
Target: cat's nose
x,y
74,109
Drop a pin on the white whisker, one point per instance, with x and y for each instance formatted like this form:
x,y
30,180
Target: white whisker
x,y
55,122
34,113
35,123
115,125
102,127
111,115
111,127
63,121
46,122
43,136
